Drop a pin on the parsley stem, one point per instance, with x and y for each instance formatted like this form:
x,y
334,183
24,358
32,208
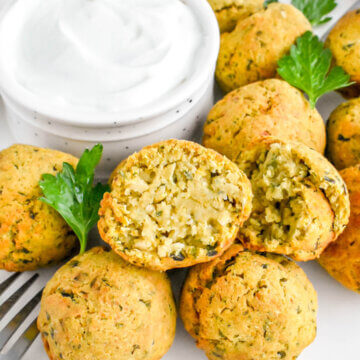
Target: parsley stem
x,y
83,243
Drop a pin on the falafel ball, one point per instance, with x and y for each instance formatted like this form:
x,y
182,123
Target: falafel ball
x,y
99,307
341,259
343,128
344,43
249,306
174,204
300,202
229,12
266,108
32,234
251,52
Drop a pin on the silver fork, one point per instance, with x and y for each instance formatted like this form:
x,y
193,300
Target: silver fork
x,y
20,295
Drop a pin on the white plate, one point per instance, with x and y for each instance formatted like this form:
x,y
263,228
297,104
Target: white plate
x,y
339,309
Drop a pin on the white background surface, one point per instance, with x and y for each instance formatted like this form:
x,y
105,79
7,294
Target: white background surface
x,y
339,309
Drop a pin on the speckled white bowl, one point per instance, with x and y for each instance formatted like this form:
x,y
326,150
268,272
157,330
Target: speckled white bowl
x,y
180,116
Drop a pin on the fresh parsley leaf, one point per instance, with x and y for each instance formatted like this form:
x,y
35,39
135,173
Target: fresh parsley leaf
x,y
307,67
268,2
316,10
72,194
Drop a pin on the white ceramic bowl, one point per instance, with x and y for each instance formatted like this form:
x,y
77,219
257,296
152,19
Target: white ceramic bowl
x,y
180,116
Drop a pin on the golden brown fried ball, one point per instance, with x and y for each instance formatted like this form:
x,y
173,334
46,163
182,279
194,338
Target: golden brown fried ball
x,y
251,52
229,12
266,108
249,306
300,202
342,258
343,130
32,234
344,43
174,204
99,307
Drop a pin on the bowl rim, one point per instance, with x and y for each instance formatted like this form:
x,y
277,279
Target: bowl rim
x,y
31,102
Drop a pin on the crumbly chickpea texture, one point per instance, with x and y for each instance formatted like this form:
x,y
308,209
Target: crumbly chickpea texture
x,y
174,204
300,203
98,306
248,306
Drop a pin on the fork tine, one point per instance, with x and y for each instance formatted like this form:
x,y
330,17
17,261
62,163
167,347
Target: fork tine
x,y
21,332
4,275
9,330
20,303
5,284
18,283
33,351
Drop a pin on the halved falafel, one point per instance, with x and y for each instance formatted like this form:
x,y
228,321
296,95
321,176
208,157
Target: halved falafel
x,y
174,204
300,202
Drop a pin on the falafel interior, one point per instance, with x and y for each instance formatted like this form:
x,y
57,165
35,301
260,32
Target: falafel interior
x,y
174,201
291,204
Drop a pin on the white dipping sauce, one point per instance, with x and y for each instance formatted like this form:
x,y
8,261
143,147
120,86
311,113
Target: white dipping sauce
x,y
102,55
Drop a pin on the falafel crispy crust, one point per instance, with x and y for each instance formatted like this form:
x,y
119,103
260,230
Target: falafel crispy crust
x,y
299,197
32,234
343,128
248,306
341,259
229,12
252,50
344,43
174,204
98,306
266,108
